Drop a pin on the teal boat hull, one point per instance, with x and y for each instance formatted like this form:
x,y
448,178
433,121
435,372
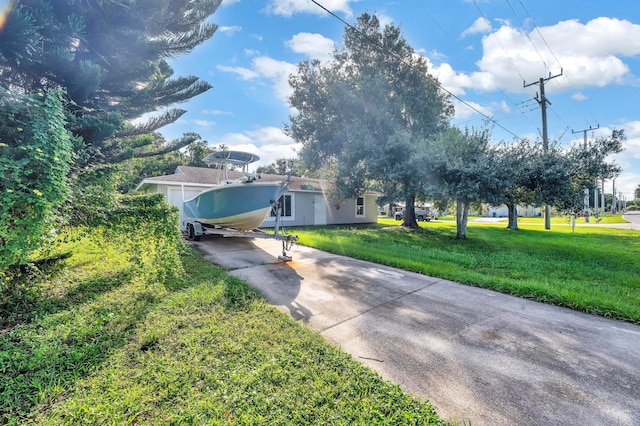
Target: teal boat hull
x,y
241,206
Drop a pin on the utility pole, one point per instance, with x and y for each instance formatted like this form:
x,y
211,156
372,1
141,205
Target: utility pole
x,y
602,206
585,133
586,189
614,205
595,199
543,101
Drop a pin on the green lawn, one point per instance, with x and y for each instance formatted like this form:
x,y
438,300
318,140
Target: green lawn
x,y
128,332
560,220
594,269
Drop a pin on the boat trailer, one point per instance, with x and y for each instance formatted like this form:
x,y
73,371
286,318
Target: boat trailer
x,y
194,230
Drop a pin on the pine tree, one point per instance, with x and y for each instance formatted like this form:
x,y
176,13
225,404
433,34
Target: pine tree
x,y
111,58
73,76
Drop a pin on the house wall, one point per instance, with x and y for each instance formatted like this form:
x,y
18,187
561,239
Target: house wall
x,y
345,212
309,207
176,194
302,211
306,204
523,211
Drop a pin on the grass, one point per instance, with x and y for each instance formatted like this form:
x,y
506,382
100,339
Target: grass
x,y
566,220
595,270
560,220
115,337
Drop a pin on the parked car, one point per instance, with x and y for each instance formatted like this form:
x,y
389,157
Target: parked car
x,y
421,215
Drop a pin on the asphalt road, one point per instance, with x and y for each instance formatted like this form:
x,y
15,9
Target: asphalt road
x,y
477,355
634,218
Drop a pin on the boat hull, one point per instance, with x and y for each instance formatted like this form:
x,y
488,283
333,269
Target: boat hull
x,y
241,206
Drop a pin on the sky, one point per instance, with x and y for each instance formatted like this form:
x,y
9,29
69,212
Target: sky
x,y
484,52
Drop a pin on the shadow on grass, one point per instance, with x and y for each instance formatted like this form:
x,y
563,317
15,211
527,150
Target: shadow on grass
x,y
64,338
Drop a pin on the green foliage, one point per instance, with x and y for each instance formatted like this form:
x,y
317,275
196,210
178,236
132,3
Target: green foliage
x,y
103,64
110,344
134,170
460,166
110,59
146,224
557,267
283,166
35,153
366,115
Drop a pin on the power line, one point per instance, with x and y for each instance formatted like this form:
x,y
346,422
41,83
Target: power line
x,y
375,43
498,41
482,14
526,33
435,22
557,60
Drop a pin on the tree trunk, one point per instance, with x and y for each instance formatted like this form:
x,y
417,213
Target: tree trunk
x,y
409,219
513,216
462,217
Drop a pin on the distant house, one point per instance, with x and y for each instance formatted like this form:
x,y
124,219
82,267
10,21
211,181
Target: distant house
x,y
523,211
303,204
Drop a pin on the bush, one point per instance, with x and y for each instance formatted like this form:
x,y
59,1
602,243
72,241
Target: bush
x,y
35,155
144,227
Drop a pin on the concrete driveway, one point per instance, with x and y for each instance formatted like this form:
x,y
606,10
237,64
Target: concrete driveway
x,y
477,355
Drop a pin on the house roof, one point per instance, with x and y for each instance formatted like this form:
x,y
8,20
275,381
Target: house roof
x,y
204,176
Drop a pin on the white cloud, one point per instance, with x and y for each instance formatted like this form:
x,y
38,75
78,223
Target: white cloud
x,y
229,31
270,143
591,54
470,108
204,123
244,73
216,112
480,25
578,96
270,136
229,2
267,70
290,7
277,72
315,46
451,80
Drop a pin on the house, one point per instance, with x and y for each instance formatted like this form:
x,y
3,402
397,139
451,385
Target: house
x,y
303,204
503,211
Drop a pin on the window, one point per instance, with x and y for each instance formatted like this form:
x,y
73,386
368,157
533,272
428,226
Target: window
x,y
286,209
360,206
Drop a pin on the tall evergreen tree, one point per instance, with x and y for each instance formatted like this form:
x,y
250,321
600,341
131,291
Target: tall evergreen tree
x,y
93,66
110,57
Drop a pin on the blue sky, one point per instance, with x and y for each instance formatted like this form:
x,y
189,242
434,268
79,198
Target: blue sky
x,y
480,50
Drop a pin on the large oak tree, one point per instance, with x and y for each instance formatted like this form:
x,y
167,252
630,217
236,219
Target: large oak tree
x,y
368,113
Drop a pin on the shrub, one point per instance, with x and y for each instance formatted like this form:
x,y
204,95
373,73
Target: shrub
x,y
35,156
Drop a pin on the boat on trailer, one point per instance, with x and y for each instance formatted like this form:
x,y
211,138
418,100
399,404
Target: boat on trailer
x,y
236,207
242,203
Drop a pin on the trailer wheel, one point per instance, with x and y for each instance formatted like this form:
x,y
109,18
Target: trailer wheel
x,y
192,233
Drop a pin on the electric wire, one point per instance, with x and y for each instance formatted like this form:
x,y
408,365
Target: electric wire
x,y
436,22
558,61
526,33
401,59
484,16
